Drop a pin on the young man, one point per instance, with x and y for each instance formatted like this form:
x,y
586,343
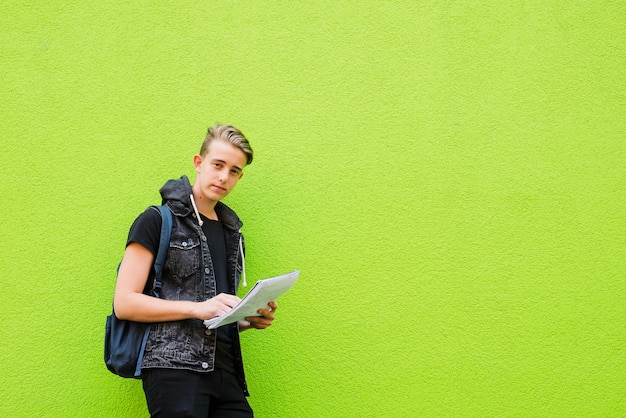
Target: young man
x,y
188,370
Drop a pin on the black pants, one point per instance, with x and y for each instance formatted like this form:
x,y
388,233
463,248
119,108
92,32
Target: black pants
x,y
183,393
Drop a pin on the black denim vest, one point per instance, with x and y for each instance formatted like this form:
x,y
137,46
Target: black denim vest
x,y
188,275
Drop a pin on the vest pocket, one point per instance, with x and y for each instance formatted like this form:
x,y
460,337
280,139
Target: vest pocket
x,y
185,257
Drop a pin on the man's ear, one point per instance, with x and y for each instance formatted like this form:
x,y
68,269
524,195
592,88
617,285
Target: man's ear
x,y
197,161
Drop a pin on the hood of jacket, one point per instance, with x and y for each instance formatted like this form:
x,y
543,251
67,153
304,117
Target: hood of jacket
x,y
177,195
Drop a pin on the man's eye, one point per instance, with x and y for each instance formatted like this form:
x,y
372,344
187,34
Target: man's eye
x,y
234,172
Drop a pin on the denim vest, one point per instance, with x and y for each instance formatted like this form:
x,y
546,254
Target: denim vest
x,y
188,275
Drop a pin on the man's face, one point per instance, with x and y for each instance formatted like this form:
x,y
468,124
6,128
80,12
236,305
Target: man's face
x,y
218,171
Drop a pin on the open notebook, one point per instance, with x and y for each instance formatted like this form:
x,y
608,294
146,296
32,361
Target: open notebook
x,y
263,292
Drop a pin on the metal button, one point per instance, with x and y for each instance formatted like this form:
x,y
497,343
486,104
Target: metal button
x,y
207,270
208,332
205,365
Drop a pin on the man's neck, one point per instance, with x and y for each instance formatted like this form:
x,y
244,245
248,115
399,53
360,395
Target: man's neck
x,y
205,207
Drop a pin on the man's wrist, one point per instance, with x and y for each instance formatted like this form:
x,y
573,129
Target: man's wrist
x,y
244,325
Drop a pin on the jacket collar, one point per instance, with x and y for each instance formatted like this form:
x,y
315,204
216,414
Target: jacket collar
x,y
176,194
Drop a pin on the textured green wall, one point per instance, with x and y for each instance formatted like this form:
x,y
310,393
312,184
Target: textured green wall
x,y
448,176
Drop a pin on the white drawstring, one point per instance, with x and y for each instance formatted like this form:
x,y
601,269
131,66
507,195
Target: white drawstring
x,y
195,208
243,260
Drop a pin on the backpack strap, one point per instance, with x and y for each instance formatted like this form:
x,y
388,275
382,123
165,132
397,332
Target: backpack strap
x,y
164,244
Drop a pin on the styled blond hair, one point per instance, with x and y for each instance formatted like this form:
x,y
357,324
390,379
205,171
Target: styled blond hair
x,y
229,134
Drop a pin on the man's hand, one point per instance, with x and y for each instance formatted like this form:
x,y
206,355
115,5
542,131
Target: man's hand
x,y
216,306
260,322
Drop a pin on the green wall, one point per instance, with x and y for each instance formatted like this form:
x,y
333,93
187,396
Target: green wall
x,y
448,176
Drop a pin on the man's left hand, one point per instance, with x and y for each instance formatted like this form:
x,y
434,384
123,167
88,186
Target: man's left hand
x,y
264,320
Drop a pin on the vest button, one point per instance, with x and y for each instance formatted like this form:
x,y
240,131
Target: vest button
x,y
208,332
205,365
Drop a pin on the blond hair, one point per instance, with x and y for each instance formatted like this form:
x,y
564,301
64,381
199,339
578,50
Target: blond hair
x,y
229,134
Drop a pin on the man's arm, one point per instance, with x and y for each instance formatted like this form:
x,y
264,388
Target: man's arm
x,y
131,304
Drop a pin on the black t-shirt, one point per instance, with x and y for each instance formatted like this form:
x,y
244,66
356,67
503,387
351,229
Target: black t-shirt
x,y
146,231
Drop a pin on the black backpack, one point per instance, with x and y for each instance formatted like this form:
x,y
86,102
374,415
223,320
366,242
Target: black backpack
x,y
125,341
